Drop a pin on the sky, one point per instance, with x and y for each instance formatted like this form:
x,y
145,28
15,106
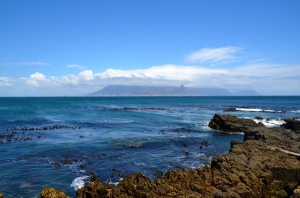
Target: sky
x,y
75,47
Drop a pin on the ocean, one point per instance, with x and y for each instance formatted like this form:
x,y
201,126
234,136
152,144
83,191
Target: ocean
x,y
61,141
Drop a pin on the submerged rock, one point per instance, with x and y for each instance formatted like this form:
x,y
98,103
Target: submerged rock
x,y
53,193
138,108
258,117
1,195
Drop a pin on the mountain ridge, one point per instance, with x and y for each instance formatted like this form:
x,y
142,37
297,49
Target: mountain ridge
x,y
135,90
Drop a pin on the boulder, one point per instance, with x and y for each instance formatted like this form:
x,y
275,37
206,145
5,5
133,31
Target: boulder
x,y
232,124
52,193
258,117
95,189
292,124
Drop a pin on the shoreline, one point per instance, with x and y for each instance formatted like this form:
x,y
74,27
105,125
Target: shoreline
x,y
265,164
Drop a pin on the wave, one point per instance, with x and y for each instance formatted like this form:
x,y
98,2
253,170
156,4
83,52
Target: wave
x,y
114,183
79,182
270,122
242,109
297,111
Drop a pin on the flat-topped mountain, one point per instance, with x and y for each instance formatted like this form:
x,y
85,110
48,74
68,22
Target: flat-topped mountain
x,y
125,90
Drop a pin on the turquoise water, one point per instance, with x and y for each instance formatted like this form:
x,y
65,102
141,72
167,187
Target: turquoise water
x,y
56,140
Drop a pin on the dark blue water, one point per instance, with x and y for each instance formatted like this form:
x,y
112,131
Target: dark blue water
x,y
51,141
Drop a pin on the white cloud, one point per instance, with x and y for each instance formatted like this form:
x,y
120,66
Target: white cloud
x,y
265,78
159,75
167,72
267,70
213,54
5,82
30,63
86,75
37,79
81,67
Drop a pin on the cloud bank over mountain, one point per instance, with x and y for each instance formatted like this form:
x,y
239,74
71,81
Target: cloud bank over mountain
x,y
265,78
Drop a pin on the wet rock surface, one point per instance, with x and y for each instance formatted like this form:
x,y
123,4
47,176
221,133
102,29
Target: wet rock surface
x,y
292,124
266,164
231,124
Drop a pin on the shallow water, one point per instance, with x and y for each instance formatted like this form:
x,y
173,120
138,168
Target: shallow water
x,y
59,139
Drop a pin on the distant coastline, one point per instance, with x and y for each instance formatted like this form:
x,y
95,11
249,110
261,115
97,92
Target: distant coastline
x,y
126,90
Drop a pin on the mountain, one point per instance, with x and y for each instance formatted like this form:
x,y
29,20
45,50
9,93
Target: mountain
x,y
124,90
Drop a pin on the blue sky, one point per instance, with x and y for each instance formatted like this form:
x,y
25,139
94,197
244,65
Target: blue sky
x,y
55,47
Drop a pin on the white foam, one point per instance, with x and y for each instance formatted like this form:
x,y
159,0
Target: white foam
x,y
141,164
250,110
115,183
25,185
257,110
204,126
79,182
271,111
297,111
270,122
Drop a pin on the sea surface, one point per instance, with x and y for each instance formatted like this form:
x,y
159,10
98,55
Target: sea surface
x,y
61,141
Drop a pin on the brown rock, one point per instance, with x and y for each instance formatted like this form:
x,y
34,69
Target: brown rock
x,y
296,193
95,189
53,193
1,195
231,124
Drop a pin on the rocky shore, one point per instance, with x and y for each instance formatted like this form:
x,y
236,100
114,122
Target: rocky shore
x,y
265,164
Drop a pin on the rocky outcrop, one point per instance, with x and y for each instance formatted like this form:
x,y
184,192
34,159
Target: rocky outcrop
x,y
249,170
53,193
232,124
266,164
292,124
